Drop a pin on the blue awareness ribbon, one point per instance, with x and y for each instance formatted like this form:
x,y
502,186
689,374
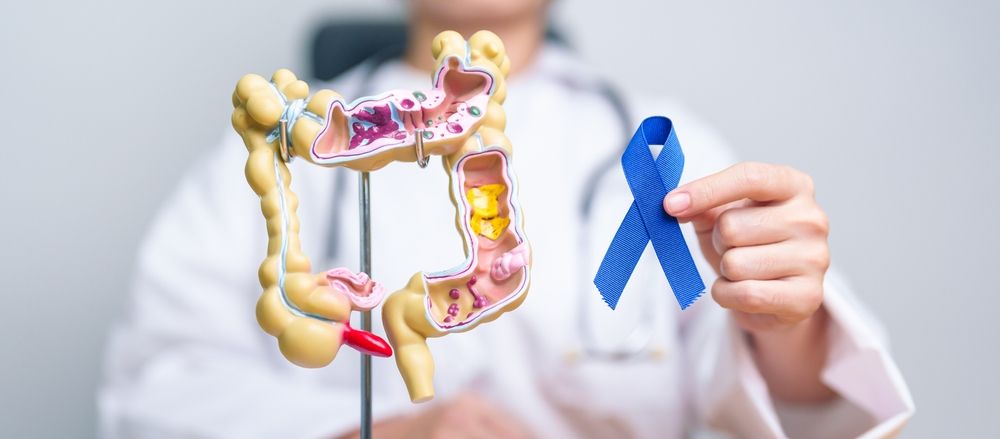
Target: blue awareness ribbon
x,y
646,221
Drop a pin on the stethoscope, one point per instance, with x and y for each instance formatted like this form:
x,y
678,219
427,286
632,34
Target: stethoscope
x,y
637,345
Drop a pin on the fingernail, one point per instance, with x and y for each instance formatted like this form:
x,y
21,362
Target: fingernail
x,y
678,202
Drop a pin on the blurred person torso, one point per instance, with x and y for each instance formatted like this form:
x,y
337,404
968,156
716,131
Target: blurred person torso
x,y
191,330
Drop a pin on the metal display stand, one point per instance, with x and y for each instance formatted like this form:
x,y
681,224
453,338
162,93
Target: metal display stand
x,y
364,209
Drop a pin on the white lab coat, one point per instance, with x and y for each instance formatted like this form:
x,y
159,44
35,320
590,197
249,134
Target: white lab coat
x,y
188,359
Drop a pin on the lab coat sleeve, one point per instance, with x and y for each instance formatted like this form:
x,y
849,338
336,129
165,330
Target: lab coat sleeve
x,y
731,395
189,360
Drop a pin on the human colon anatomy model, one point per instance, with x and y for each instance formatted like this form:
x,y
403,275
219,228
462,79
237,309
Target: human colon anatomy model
x,y
459,118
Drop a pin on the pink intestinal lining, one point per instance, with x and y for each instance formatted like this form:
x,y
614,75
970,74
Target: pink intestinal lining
x,y
451,109
463,297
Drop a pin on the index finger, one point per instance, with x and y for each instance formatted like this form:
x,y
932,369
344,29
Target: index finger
x,y
749,180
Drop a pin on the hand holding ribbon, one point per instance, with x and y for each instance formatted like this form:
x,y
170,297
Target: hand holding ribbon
x,y
762,231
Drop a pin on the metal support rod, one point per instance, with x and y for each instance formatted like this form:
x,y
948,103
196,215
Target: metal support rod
x,y
364,208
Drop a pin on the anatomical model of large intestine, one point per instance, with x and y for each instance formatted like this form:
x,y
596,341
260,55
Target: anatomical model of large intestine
x,y
460,118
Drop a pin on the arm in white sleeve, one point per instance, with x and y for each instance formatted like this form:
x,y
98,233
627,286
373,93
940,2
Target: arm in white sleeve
x,y
732,396
729,392
189,359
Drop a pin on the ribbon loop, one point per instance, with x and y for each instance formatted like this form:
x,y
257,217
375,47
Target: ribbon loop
x,y
650,180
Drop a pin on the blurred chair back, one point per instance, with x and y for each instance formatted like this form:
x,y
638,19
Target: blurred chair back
x,y
341,44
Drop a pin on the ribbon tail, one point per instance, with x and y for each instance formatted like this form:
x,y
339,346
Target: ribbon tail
x,y
622,256
668,241
676,261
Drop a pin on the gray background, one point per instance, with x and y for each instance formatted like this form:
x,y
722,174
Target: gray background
x,y
891,105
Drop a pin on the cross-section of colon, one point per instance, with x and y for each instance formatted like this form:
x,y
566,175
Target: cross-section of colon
x,y
492,280
378,125
494,273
